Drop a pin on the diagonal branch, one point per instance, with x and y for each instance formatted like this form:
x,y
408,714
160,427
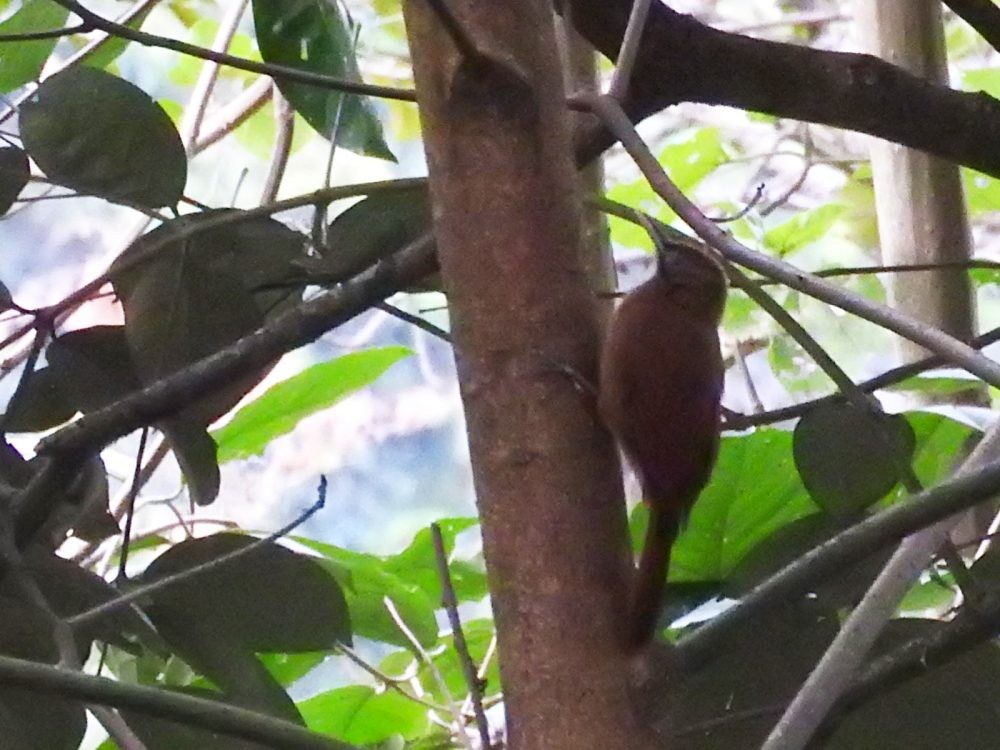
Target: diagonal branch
x,y
213,715
684,60
283,72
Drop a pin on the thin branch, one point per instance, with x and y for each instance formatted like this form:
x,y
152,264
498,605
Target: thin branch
x,y
622,76
421,652
31,36
933,339
849,546
283,72
450,602
198,102
982,15
393,683
857,635
204,713
161,584
234,114
284,120
415,320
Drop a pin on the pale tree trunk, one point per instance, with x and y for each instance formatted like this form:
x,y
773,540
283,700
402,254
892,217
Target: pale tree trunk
x,y
507,219
920,201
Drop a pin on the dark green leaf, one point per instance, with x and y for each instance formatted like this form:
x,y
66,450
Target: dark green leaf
x,y
359,715
32,721
373,229
312,35
277,411
848,458
14,174
196,455
21,62
39,405
761,665
270,599
93,365
791,542
126,149
954,705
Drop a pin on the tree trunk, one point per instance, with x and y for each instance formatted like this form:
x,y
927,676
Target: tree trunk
x,y
507,220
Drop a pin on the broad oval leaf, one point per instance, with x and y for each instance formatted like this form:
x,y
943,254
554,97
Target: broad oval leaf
x,y
14,174
126,149
367,583
848,458
269,599
21,62
187,293
372,229
359,715
312,35
282,406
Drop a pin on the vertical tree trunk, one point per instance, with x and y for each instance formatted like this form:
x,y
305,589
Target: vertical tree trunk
x,y
920,201
507,218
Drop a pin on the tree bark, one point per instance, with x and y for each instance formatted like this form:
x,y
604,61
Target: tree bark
x,y
507,221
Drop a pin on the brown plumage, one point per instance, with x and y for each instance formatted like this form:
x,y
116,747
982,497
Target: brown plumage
x,y
660,386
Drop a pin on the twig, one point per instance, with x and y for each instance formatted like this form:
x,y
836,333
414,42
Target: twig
x,y
133,493
149,589
906,326
284,118
450,602
187,709
629,51
866,621
393,683
283,72
202,92
422,323
982,15
234,114
421,652
850,545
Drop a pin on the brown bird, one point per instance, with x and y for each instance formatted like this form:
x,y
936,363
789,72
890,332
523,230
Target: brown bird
x,y
660,388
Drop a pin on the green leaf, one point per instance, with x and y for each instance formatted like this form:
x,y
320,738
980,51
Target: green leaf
x,y
14,174
282,406
986,80
199,293
848,458
802,229
370,230
359,715
114,46
367,583
688,162
695,158
742,505
311,35
39,405
417,564
21,62
270,599
982,192
127,149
